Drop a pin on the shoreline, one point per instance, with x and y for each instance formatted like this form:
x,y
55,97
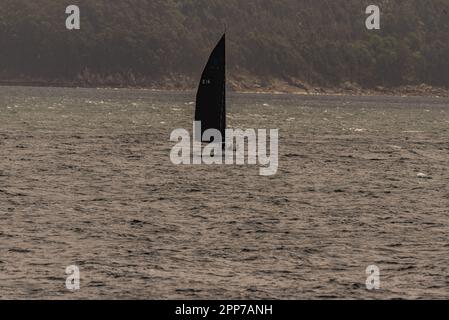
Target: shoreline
x,y
422,90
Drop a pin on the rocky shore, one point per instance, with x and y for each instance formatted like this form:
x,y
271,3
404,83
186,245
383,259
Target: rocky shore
x,y
237,84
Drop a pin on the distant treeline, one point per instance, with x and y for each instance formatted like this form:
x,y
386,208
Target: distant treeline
x,y
149,42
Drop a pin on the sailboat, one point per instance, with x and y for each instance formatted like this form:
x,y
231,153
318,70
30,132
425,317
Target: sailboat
x,y
211,96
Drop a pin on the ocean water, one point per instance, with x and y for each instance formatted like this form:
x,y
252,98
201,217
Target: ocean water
x,y
86,180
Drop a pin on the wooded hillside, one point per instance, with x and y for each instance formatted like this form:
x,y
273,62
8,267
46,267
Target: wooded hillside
x,y
162,42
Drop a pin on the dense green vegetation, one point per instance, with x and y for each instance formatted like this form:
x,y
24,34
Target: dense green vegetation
x,y
149,42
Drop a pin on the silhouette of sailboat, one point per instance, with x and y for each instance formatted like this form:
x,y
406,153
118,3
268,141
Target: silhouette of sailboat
x,y
211,95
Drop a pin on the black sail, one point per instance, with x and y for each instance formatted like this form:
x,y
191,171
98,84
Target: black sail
x,y
211,95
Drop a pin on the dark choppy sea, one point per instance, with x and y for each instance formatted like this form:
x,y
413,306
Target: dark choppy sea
x,y
86,180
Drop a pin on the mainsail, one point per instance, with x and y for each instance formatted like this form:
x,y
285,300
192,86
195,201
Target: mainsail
x,y
211,95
